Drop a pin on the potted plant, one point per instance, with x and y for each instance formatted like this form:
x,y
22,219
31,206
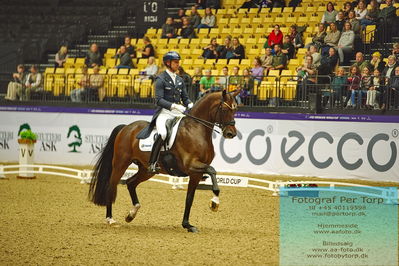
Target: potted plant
x,y
27,140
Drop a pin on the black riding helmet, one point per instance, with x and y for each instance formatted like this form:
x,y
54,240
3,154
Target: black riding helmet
x,y
172,55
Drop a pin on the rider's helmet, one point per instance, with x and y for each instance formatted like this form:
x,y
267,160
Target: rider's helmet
x,y
171,55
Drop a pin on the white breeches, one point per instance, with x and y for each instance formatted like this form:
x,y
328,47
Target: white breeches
x,y
161,121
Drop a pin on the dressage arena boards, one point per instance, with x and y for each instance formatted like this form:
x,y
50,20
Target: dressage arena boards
x,y
49,220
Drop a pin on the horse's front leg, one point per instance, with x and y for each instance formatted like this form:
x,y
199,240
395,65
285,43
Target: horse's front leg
x,y
192,186
214,204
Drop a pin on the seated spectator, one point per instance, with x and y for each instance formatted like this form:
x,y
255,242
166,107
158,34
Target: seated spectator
x,y
361,63
61,56
148,50
130,49
338,86
389,70
195,80
353,84
195,18
168,30
207,83
345,43
209,20
354,23
84,85
187,81
275,37
93,57
340,22
393,91
318,38
222,81
376,62
279,61
294,3
237,50
187,30
375,90
328,63
347,8
178,18
257,70
124,57
213,4
95,91
222,50
16,85
267,59
307,76
365,84
151,70
33,83
387,18
372,15
249,4
210,51
312,51
288,48
329,15
331,39
296,37
395,51
361,10
246,86
235,79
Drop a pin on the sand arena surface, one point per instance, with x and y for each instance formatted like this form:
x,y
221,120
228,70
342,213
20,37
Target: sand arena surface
x,y
50,221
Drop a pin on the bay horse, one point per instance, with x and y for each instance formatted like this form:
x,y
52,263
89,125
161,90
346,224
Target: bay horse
x,y
192,149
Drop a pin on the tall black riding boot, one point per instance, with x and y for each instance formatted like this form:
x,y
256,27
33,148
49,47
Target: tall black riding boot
x,y
156,148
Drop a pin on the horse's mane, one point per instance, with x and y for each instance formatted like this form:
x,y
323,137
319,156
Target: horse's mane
x,y
207,94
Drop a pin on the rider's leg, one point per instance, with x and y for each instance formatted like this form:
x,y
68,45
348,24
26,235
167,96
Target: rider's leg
x,y
156,148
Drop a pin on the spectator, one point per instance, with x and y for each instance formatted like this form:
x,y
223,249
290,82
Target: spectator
x,y
206,83
210,51
96,90
340,22
223,81
294,3
307,74
395,51
389,70
178,18
347,8
131,50
365,83
393,90
361,10
148,50
354,23
249,4
237,50
187,82
246,85
187,30
288,48
93,57
360,62
372,15
346,41
213,4
267,59
318,39
124,57
315,55
209,20
376,62
338,85
275,37
84,85
279,59
388,13
257,70
329,15
151,70
331,39
353,84
16,87
33,82
168,30
296,37
61,56
195,82
328,63
235,79
195,18
224,49
375,90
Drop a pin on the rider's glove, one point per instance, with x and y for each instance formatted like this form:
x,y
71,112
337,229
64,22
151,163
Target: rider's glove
x,y
178,107
190,105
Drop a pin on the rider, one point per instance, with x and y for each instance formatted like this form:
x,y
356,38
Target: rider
x,y
171,99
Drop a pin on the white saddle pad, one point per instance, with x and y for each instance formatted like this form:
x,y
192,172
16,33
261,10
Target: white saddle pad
x,y
146,144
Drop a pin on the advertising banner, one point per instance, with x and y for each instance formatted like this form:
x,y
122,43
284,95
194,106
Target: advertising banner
x,y
337,146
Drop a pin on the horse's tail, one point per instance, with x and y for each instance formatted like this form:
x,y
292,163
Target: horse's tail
x,y
99,191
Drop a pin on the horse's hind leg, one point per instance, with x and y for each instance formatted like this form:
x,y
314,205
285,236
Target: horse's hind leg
x,y
132,183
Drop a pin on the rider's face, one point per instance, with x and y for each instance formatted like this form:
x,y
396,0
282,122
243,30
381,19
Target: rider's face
x,y
174,65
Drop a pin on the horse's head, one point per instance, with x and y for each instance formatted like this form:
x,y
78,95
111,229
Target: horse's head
x,y
224,116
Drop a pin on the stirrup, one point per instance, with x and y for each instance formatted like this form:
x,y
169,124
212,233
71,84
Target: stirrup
x,y
154,168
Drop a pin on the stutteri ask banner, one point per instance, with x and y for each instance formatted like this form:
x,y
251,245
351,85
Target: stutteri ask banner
x,y
333,146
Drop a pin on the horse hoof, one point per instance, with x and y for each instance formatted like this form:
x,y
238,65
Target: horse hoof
x,y
192,229
111,222
214,206
132,214
128,218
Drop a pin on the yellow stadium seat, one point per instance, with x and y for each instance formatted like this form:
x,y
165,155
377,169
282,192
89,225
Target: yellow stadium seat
x,y
257,21
291,20
234,62
79,62
205,41
110,62
245,62
70,61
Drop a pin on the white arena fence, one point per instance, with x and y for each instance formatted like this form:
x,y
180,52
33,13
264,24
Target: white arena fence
x,y
277,187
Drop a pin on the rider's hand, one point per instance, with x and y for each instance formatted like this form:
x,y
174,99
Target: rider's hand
x,y
190,105
179,107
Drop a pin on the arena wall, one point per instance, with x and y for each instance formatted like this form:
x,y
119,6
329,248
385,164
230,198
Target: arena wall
x,y
330,146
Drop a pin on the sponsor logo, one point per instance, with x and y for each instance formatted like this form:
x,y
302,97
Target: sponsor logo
x,y
97,142
5,138
48,141
75,137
